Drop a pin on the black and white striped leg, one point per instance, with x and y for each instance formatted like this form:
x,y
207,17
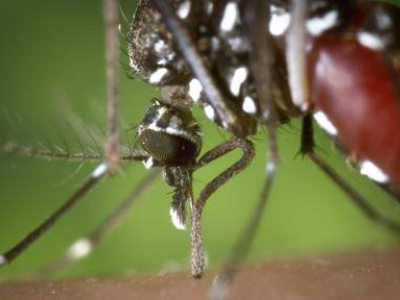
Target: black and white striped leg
x,y
391,191
24,244
84,246
221,284
307,148
197,263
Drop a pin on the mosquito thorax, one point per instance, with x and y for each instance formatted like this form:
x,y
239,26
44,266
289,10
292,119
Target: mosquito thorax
x,y
224,48
170,135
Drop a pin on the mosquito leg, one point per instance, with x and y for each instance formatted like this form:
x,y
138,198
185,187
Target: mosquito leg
x,y
307,136
221,285
23,245
354,196
262,56
112,48
198,206
83,247
307,146
391,191
295,54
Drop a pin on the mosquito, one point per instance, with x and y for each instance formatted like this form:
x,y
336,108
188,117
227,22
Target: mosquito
x,y
205,53
82,247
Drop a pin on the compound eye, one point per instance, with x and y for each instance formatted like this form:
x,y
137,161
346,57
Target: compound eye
x,y
168,149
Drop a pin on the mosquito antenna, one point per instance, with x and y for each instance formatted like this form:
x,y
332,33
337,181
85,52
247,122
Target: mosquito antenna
x,y
78,140
78,125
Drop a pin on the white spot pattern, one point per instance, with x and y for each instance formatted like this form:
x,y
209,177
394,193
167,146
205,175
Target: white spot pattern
x,y
371,41
229,17
149,163
100,170
373,172
239,76
158,75
210,112
249,105
160,46
184,9
195,89
319,24
324,122
80,248
280,21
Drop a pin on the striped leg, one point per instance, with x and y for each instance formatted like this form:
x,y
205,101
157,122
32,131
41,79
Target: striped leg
x,y
24,244
221,284
84,246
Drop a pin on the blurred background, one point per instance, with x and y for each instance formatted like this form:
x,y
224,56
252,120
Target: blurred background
x,y
52,74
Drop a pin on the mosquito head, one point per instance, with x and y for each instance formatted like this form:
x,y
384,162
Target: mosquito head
x,y
170,135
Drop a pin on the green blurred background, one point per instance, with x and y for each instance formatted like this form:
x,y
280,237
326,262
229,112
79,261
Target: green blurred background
x,y
51,70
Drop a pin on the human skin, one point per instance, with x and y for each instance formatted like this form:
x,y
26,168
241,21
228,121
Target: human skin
x,y
367,275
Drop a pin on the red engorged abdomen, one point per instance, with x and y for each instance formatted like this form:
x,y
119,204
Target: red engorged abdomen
x,y
352,86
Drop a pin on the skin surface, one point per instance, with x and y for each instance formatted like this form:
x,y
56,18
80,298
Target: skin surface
x,y
363,275
361,103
